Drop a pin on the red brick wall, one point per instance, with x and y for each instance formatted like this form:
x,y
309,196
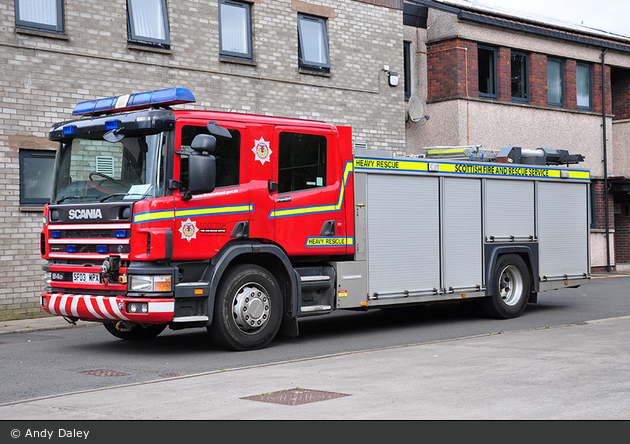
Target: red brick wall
x,y
597,89
447,74
600,206
621,94
504,74
622,238
446,69
570,84
538,79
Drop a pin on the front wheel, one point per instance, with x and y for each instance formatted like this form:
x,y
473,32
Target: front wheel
x,y
510,288
248,309
134,332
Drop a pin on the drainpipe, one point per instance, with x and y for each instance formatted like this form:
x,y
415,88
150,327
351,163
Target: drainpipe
x,y
603,56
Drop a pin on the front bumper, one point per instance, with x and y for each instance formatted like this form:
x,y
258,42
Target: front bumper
x,y
107,308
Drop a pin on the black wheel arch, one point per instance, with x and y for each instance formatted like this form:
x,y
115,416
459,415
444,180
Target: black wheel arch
x,y
528,252
269,256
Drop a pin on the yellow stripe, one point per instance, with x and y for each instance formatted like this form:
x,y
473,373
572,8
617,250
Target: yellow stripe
x,y
168,214
212,211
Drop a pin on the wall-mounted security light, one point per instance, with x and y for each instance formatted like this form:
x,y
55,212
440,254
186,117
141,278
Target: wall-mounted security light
x,y
393,78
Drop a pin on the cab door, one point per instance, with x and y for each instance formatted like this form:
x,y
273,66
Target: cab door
x,y
206,222
306,192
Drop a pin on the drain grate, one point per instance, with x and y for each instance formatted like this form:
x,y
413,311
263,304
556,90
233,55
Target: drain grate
x,y
295,396
103,373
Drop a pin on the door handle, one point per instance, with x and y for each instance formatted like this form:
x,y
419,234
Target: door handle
x,y
328,229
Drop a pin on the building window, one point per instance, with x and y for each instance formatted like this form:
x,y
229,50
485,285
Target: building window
x,y
487,62
301,162
39,15
235,29
407,67
36,174
147,23
313,43
555,82
584,86
519,77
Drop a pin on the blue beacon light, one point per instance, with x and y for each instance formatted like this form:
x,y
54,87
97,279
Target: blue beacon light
x,y
164,97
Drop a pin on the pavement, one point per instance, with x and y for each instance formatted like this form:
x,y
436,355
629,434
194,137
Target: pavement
x,y
571,372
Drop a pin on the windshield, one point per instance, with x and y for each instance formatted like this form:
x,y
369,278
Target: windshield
x,y
88,170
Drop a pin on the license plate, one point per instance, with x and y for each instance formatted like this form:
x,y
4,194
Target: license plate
x,y
86,277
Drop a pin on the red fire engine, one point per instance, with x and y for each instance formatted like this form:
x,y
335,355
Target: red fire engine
x,y
242,224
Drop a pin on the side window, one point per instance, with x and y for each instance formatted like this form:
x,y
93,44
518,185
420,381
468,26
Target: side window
x,y
313,43
40,15
235,29
227,154
36,174
301,162
487,62
407,67
147,23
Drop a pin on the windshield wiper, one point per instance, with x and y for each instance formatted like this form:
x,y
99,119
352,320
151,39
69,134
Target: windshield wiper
x,y
70,197
113,195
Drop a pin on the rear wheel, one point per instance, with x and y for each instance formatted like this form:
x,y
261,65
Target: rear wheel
x,y
134,332
248,309
510,288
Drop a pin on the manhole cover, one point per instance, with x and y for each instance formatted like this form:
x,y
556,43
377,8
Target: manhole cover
x,y
295,396
102,372
169,375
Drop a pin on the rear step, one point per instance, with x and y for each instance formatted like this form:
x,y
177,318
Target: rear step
x,y
317,289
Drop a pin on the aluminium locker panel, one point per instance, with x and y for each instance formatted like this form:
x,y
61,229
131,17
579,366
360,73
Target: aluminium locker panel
x,y
509,208
563,228
402,233
462,233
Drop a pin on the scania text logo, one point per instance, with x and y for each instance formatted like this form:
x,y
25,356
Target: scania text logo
x,y
91,213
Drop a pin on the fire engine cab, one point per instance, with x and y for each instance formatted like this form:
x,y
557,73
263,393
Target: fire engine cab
x,y
243,224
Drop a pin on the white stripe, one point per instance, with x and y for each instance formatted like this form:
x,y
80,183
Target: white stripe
x,y
88,304
161,307
101,305
115,309
51,304
62,305
52,226
104,241
73,306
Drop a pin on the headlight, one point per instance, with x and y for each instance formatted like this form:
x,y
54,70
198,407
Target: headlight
x,y
149,283
47,279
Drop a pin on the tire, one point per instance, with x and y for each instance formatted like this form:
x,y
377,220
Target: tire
x,y
248,309
136,333
510,288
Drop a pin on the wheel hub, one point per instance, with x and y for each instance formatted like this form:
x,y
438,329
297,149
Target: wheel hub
x,y
510,285
251,308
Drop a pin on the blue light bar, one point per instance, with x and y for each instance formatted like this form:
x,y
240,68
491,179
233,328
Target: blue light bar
x,y
101,248
56,234
71,248
163,97
121,233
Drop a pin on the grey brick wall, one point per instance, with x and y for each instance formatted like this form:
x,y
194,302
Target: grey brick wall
x,y
43,76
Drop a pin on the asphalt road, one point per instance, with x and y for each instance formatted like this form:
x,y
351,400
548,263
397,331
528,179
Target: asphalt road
x,y
86,357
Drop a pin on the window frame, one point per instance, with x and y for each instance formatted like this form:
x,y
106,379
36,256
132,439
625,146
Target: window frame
x,y
407,68
32,154
281,151
495,94
562,85
315,66
237,55
525,76
59,28
590,85
134,38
